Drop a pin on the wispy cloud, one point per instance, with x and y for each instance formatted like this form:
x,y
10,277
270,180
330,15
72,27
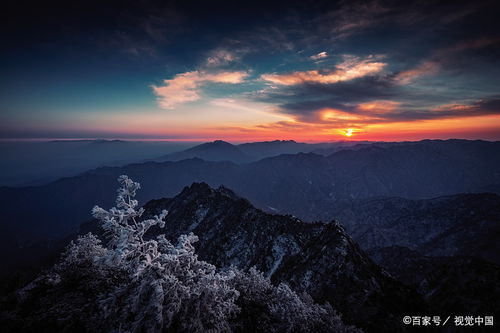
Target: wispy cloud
x,y
144,31
319,56
224,56
470,44
352,17
378,106
350,68
185,87
389,111
427,67
443,57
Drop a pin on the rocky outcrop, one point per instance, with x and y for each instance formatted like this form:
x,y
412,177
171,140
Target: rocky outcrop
x,y
319,258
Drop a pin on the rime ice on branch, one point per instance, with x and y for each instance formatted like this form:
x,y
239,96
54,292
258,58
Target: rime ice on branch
x,y
166,282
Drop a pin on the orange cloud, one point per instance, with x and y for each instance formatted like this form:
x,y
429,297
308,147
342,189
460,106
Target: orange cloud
x,y
351,68
453,107
379,106
224,77
184,87
427,67
329,115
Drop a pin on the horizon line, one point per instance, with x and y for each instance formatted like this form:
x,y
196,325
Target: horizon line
x,y
206,140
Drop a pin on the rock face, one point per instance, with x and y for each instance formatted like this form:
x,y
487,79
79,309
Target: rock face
x,y
458,225
319,258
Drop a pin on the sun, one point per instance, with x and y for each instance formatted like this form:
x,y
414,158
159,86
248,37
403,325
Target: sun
x,y
349,132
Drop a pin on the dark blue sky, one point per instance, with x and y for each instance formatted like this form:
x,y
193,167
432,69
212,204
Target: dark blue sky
x,y
309,70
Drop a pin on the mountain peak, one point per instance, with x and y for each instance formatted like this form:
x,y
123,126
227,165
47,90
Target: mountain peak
x,y
195,187
203,190
217,150
233,232
220,143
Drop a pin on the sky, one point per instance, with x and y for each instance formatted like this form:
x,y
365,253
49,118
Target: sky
x,y
250,71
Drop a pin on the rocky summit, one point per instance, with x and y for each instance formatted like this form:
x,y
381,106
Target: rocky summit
x,y
318,258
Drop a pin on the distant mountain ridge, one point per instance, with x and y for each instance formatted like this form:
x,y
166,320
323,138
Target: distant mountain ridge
x,y
447,284
273,148
458,225
310,186
34,163
211,151
220,150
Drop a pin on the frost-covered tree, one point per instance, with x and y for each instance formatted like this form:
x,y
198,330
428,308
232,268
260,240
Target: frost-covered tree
x,y
167,286
266,308
141,284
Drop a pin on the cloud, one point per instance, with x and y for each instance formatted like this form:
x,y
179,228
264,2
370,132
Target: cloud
x,y
303,100
445,57
185,87
470,44
390,111
378,106
351,68
481,107
142,31
353,17
319,56
427,67
377,98
221,57
397,113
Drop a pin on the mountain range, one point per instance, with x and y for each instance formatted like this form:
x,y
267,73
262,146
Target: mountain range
x,y
250,152
308,185
457,225
452,284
